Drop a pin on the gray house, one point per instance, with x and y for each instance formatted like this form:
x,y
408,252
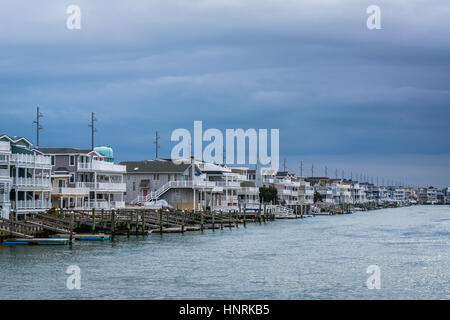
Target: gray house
x,y
162,178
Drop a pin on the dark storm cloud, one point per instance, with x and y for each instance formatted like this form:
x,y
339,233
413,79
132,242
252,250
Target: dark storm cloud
x,y
335,89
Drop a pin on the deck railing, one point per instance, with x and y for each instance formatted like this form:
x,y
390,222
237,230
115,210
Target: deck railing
x,y
31,204
31,159
96,165
32,182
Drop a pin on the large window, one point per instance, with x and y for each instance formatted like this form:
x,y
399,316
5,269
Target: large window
x,y
53,160
72,160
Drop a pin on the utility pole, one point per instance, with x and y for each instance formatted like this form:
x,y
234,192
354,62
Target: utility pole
x,y
156,144
335,173
312,170
326,171
342,174
301,168
38,125
284,165
93,129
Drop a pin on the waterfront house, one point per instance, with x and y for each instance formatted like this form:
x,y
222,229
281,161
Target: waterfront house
x,y
25,184
85,179
446,192
184,184
428,195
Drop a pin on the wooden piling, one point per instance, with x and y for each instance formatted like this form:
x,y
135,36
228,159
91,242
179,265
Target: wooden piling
x,y
93,219
113,224
182,220
71,228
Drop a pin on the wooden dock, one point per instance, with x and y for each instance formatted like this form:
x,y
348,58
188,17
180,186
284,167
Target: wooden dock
x,y
100,225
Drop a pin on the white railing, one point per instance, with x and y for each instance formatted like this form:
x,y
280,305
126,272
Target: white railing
x,y
102,204
104,186
31,204
32,182
227,184
31,159
289,192
5,146
249,190
70,191
96,165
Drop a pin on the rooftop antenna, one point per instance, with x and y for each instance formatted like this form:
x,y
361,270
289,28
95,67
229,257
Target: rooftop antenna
x,y
93,129
156,144
335,173
38,125
223,155
301,168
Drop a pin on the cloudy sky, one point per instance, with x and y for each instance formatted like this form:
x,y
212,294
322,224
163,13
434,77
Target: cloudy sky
x,y
373,102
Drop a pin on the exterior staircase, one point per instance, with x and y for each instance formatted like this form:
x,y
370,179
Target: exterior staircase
x,y
189,184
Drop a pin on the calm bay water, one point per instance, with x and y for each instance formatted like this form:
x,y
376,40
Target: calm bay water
x,y
316,258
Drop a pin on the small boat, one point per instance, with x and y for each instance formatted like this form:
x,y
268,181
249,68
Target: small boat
x,y
308,216
38,241
348,212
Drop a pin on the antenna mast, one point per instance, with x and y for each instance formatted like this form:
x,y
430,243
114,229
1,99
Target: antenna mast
x,y
38,125
93,129
156,144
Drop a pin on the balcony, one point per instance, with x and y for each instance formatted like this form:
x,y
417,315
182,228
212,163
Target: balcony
x,y
101,166
71,191
228,184
287,192
31,205
32,182
31,159
102,204
248,190
102,186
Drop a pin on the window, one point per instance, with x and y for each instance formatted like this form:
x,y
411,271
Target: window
x,y
72,160
53,160
72,178
134,186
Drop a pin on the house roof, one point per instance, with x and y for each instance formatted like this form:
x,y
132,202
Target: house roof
x,y
15,139
48,151
155,166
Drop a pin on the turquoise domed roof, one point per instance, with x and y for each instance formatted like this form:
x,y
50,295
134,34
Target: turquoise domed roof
x,y
106,151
